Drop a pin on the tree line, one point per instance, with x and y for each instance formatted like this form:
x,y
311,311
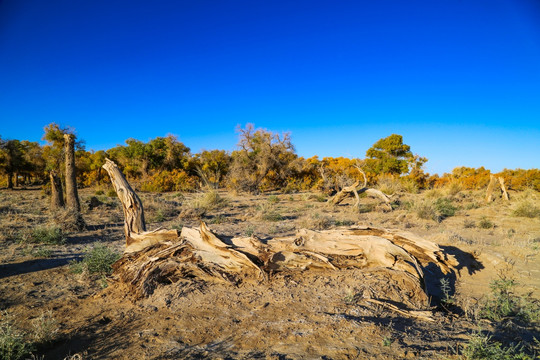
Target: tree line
x,y
263,161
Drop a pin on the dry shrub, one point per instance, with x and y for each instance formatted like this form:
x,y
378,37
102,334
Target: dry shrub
x,y
389,184
526,208
453,188
68,220
410,186
436,210
202,204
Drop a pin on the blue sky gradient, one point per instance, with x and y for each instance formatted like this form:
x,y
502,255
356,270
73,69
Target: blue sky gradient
x,y
460,80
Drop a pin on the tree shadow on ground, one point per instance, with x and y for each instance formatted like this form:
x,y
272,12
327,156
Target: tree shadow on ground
x,y
8,270
433,276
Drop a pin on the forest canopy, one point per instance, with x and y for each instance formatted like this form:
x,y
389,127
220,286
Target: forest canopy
x,y
263,161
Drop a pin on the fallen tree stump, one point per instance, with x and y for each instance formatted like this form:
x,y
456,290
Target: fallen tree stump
x,y
392,261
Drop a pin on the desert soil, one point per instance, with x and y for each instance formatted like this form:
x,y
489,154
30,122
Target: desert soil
x,y
310,315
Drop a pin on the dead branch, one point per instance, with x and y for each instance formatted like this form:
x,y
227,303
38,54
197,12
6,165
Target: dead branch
x,y
348,191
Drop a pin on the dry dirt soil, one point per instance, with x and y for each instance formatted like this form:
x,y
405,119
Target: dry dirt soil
x,y
307,316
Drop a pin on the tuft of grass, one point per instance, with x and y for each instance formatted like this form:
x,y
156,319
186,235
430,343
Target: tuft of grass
x,y
98,261
526,209
410,186
389,185
365,208
45,328
52,235
111,193
453,188
273,199
485,223
250,230
387,341
42,253
268,212
468,224
343,222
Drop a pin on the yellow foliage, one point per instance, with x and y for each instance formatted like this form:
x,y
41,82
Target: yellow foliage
x,y
175,180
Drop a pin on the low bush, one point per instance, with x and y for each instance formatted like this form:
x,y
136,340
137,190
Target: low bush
x,y
526,209
481,347
50,234
12,341
97,261
503,303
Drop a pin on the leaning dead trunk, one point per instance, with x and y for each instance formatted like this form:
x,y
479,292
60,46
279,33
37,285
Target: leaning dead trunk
x,y
72,196
503,189
132,205
57,196
491,188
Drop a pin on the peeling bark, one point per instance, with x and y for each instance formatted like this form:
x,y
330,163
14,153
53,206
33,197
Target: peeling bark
x,y
133,210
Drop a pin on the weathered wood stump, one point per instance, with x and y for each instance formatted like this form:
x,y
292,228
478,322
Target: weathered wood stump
x,y
164,257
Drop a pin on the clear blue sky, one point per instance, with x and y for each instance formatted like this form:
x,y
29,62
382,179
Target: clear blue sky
x,y
459,79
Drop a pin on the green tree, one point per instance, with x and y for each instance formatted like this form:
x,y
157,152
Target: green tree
x,y
12,156
390,156
162,153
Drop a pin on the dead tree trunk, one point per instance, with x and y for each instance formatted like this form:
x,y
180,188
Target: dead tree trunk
x,y
10,180
137,238
503,189
57,195
491,188
72,196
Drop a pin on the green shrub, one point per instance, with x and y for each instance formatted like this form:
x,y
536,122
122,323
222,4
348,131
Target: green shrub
x,y
97,261
481,347
111,193
444,208
52,235
504,303
12,343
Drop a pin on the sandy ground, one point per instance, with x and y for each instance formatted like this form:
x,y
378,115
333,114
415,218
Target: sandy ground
x,y
307,316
